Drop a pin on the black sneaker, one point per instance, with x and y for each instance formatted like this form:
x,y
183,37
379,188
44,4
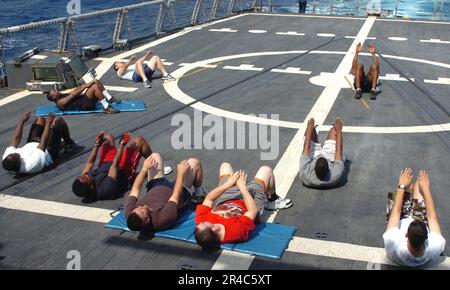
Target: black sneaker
x,y
114,100
68,147
358,94
373,94
110,110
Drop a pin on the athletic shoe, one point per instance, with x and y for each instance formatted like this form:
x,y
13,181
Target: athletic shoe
x,y
114,100
358,94
110,110
168,78
279,203
373,94
167,170
147,84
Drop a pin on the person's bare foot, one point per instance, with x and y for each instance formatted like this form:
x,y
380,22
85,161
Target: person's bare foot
x,y
359,48
372,48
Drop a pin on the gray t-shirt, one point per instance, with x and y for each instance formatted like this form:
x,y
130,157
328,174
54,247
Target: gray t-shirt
x,y
308,175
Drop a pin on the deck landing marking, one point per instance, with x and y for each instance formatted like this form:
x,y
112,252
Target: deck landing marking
x,y
175,92
326,34
291,33
434,40
228,259
395,38
395,77
441,81
17,96
223,30
292,70
256,31
249,67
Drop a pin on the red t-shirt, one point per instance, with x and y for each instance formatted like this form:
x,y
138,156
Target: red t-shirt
x,y
237,225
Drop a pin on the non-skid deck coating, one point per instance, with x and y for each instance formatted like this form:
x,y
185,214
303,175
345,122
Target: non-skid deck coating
x,y
36,237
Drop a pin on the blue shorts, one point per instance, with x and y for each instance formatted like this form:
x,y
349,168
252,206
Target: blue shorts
x,y
148,72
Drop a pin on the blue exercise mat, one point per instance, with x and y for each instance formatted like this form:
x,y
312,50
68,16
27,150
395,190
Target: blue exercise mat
x,y
124,106
267,240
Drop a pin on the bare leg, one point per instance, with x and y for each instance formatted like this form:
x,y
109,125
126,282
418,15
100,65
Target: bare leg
x,y
156,63
60,125
226,170
95,92
265,174
140,69
358,72
157,172
195,175
373,75
314,136
40,121
331,134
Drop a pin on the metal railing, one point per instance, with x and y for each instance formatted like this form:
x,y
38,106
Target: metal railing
x,y
108,27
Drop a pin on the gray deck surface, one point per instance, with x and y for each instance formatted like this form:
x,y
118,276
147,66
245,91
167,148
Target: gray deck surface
x,y
353,213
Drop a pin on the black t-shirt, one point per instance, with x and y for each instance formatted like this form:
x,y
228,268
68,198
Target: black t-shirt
x,y
106,187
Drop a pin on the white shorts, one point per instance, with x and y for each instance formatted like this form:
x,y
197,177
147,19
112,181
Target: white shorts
x,y
328,150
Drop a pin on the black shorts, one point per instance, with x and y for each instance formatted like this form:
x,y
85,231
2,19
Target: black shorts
x,y
54,144
366,85
81,103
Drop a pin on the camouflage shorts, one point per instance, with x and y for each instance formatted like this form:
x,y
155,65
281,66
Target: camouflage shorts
x,y
411,207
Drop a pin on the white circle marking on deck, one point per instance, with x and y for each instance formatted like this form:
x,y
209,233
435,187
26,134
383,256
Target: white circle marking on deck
x,y
176,93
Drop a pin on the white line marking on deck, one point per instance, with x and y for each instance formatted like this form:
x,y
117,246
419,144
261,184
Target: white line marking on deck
x,y
326,34
393,130
164,61
227,259
394,38
223,30
203,65
440,81
395,77
291,33
248,67
121,89
434,40
367,38
256,31
292,70
348,252
308,16
18,96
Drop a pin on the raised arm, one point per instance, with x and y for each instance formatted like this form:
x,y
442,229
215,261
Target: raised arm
x,y
91,159
433,219
405,180
114,169
72,95
252,210
308,137
339,145
359,48
45,135
372,50
214,194
182,168
125,66
15,141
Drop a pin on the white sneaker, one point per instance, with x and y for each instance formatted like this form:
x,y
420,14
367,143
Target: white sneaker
x,y
147,84
279,203
167,170
168,78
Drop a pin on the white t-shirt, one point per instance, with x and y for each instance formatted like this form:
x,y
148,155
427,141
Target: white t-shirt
x,y
128,75
396,245
32,158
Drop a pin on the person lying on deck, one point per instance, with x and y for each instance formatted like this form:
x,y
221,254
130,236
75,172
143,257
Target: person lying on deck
x,y
116,170
42,147
84,98
365,83
165,201
229,212
322,166
413,237
140,72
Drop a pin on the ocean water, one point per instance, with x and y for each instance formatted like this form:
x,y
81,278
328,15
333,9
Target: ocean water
x,y
15,12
